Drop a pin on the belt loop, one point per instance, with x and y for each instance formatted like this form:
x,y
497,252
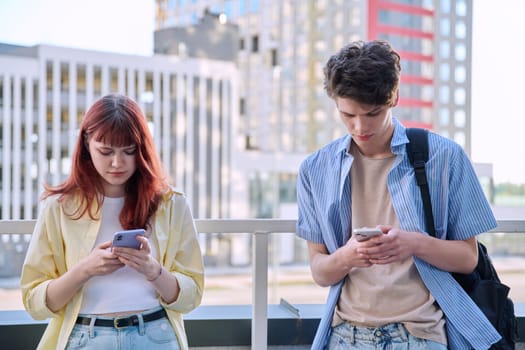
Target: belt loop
x,y
141,325
353,330
92,327
402,331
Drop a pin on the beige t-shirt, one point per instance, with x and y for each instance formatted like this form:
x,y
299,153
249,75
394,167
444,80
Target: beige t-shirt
x,y
383,294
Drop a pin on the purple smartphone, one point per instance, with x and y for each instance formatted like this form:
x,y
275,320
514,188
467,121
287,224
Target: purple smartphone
x,y
127,238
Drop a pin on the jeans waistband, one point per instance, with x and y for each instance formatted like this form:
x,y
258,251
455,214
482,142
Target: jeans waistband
x,y
379,333
121,322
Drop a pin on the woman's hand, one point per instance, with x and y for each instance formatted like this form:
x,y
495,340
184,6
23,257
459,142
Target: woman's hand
x,y
139,259
101,261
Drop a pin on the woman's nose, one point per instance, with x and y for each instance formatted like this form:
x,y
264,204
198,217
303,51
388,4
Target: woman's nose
x,y
116,160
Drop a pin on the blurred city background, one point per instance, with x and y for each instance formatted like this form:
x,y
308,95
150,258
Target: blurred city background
x,y
233,93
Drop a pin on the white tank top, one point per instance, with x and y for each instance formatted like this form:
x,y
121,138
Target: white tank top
x,y
125,289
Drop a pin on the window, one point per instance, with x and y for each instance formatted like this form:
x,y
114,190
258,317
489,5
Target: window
x,y
444,27
444,49
254,6
460,74
242,7
445,6
461,52
460,119
444,72
460,96
461,30
255,43
275,59
444,94
242,106
461,8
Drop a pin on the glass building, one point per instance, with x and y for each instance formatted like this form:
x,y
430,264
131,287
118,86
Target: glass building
x,y
284,112
284,44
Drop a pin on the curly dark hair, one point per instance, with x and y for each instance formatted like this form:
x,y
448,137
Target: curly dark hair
x,y
367,72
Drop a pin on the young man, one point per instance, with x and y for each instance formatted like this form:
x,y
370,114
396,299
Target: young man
x,y
394,289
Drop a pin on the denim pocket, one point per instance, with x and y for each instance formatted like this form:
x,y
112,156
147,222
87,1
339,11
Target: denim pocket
x,y
77,339
339,339
161,332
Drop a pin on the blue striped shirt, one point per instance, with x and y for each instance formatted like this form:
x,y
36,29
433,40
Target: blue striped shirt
x,y
460,210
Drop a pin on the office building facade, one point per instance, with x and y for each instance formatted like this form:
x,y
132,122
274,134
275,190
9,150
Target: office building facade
x,y
45,91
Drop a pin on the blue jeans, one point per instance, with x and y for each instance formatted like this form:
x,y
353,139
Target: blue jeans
x,y
392,336
152,335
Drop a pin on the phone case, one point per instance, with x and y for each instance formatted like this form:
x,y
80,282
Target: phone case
x,y
362,234
128,238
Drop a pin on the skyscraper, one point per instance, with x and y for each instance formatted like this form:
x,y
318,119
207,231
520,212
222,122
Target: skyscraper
x,y
283,46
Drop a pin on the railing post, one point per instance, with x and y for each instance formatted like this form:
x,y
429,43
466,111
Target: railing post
x,y
260,291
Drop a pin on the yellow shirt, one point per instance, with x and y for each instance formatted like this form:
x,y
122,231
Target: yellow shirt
x,y
59,242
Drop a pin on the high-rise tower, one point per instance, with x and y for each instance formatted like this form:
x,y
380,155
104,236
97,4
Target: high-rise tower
x,y
284,44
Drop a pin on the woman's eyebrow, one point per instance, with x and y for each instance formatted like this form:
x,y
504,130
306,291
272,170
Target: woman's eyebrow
x,y
109,147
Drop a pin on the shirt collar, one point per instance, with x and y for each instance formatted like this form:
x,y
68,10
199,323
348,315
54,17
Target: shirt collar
x,y
399,138
397,144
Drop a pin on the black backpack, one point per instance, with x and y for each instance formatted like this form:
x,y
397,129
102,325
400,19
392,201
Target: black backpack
x,y
483,284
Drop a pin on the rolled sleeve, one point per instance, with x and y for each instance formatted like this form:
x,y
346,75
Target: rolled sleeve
x,y
35,302
189,295
183,257
306,223
40,265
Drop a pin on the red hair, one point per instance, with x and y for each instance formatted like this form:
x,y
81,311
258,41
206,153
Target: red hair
x,y
118,121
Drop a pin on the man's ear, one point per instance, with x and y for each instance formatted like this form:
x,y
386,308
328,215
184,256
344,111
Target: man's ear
x,y
396,101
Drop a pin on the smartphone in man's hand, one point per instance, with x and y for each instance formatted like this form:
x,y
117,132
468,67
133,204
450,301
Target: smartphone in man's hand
x,y
128,238
365,233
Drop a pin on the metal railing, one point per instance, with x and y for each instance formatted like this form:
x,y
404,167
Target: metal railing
x,y
260,229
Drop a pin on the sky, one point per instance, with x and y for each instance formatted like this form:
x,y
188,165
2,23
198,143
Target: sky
x,y
126,26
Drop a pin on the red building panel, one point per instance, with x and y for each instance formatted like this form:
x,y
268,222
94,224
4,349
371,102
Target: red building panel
x,y
415,79
408,102
376,29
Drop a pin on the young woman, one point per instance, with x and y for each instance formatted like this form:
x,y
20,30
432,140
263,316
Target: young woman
x,y
98,296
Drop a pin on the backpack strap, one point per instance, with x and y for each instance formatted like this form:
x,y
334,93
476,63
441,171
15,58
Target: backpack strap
x,y
417,149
